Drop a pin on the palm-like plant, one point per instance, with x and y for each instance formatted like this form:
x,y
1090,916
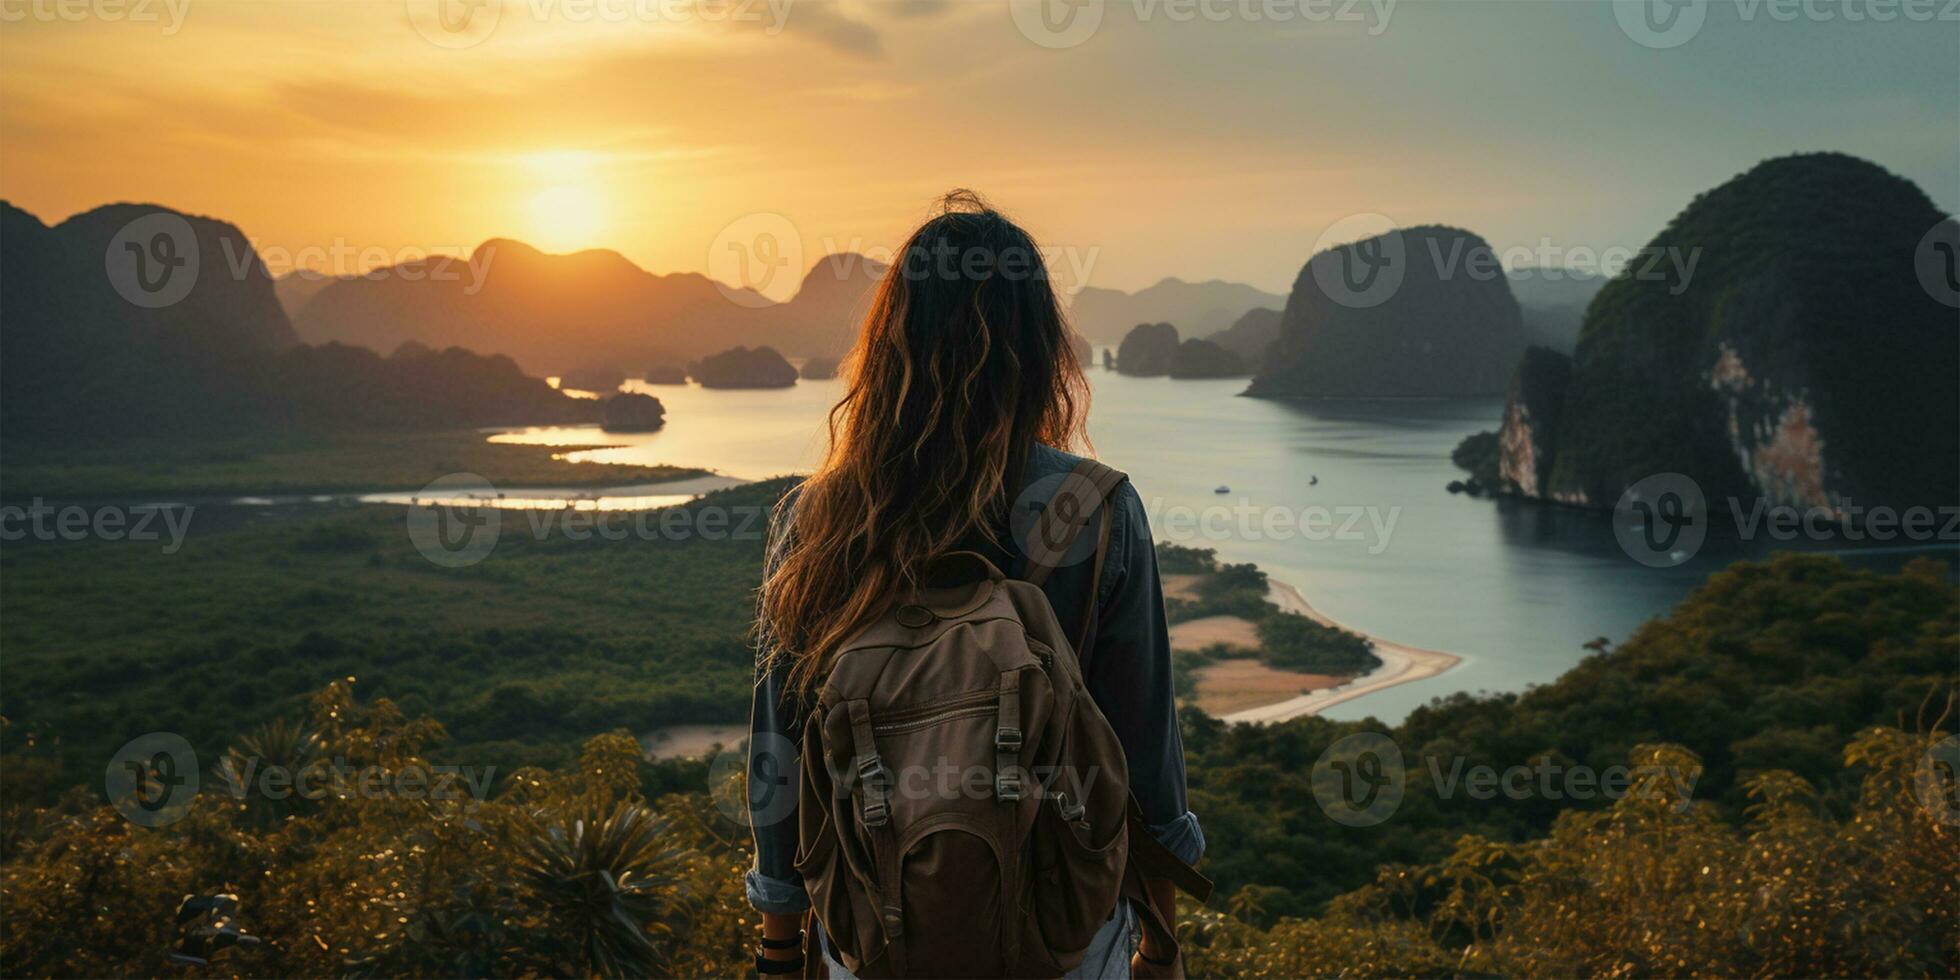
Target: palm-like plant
x,y
286,747
604,882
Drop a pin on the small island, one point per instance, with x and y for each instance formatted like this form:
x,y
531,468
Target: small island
x,y
1147,351
633,412
743,367
819,369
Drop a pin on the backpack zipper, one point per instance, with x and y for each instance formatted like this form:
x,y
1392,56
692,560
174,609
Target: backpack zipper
x,y
960,706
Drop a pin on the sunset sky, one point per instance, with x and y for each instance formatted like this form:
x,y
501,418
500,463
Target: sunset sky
x,y
1201,146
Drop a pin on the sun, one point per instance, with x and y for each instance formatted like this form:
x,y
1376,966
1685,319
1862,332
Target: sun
x,y
567,217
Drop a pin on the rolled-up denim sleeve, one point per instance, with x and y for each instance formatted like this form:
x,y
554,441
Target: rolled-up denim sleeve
x,y
775,735
1130,678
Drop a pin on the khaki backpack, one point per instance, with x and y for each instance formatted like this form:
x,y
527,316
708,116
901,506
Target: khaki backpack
x,y
965,807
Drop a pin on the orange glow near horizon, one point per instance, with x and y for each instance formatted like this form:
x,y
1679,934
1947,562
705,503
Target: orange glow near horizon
x,y
362,130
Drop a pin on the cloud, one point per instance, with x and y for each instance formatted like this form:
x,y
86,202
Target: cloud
x,y
825,24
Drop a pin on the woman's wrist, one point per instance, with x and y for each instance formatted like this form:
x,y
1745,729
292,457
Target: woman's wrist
x,y
783,948
782,936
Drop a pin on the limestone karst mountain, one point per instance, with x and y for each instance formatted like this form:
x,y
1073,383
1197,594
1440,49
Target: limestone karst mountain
x,y
1420,312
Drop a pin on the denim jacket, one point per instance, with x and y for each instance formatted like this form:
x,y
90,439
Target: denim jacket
x,y
1128,675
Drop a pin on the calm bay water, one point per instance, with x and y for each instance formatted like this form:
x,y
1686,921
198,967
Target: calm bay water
x,y
1514,589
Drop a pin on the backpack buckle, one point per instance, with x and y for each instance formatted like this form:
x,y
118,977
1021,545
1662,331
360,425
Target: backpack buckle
x,y
1007,785
1072,809
1007,740
870,769
871,782
876,813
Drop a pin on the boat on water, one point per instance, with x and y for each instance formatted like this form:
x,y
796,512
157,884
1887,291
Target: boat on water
x,y
1221,488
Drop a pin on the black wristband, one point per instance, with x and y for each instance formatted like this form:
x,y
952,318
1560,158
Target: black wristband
x,y
788,943
768,967
1153,961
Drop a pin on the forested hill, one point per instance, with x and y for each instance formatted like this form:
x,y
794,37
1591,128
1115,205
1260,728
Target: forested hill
x,y
1773,342
1423,312
1768,827
1767,666
139,322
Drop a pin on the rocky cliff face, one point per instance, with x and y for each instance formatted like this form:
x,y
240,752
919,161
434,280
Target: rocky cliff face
x,y
1774,343
1416,313
1147,350
1528,439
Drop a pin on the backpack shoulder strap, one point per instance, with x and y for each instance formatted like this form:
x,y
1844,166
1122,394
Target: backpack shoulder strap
x,y
1083,494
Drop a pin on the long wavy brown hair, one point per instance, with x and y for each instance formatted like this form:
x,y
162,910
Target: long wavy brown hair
x,y
963,363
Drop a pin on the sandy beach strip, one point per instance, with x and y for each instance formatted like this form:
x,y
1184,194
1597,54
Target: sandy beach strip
x,y
1240,683
1401,664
